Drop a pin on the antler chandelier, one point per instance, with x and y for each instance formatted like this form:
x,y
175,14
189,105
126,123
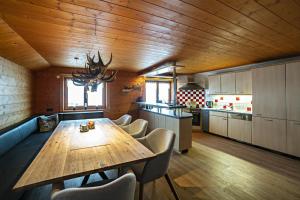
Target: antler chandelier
x,y
94,73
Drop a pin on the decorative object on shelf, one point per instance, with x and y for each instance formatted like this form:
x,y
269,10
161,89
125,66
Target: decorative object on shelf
x,y
131,88
84,128
94,73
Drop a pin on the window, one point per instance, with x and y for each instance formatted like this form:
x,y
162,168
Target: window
x,y
151,90
76,97
158,91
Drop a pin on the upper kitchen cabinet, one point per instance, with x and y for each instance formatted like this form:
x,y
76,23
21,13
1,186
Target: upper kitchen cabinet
x,y
268,87
214,84
293,91
243,82
228,83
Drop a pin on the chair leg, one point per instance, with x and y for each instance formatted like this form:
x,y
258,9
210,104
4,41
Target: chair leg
x,y
141,193
85,180
103,175
171,186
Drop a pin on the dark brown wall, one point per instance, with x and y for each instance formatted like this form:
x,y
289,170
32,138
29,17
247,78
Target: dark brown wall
x,y
47,92
15,93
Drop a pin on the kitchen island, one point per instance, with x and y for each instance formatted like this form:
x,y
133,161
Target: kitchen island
x,y
172,119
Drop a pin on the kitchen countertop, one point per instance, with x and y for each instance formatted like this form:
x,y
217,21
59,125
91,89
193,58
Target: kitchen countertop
x,y
227,111
170,113
160,105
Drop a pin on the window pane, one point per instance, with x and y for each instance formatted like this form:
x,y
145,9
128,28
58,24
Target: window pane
x,y
163,92
96,98
75,94
151,92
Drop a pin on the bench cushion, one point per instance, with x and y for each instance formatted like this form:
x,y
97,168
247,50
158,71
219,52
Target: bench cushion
x,y
12,137
14,162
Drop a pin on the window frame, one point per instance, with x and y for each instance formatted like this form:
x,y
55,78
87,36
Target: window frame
x,y
157,88
81,108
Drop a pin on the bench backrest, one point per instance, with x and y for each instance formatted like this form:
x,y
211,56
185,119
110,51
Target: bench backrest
x,y
12,137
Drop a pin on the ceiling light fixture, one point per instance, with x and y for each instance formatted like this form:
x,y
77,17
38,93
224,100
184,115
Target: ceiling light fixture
x,y
94,73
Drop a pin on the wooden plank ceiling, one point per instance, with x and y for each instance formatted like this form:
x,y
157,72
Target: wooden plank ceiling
x,y
202,35
14,48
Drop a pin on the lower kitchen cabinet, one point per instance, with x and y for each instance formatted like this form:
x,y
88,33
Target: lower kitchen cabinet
x,y
293,138
269,133
182,127
183,130
218,124
240,130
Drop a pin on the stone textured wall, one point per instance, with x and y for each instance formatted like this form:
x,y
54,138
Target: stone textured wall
x,y
15,93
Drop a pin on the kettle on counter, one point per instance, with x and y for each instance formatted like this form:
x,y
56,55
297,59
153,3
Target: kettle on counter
x,y
209,104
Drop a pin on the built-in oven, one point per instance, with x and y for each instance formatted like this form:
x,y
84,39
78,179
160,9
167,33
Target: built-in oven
x,y
196,118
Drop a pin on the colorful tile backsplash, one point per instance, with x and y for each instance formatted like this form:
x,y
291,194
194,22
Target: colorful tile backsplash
x,y
232,102
194,95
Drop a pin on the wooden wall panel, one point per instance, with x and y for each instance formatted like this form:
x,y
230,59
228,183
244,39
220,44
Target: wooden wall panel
x,y
15,93
47,92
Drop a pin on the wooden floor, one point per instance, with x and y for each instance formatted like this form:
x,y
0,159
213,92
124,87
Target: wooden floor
x,y
218,169
221,169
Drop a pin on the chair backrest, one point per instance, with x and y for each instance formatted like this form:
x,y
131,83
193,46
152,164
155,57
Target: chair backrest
x,y
137,128
123,120
161,142
121,188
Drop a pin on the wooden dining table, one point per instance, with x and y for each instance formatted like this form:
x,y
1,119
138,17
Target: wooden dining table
x,y
69,153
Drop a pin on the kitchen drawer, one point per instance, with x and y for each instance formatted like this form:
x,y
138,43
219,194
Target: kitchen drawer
x,y
219,114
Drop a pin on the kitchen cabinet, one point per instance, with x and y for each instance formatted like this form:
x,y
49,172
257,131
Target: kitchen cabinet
x,y
293,138
228,83
218,123
214,84
240,130
183,130
268,87
151,122
269,133
243,82
293,91
160,121
182,127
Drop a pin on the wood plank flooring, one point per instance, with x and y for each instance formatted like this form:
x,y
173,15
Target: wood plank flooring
x,y
217,168
221,169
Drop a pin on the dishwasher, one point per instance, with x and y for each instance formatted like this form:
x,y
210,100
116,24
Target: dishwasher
x,y
240,127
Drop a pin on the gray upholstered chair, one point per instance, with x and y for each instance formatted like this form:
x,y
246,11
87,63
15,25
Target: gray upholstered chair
x,y
123,120
159,141
136,129
121,188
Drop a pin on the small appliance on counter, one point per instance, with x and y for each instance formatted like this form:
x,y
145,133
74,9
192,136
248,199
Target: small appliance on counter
x,y
209,104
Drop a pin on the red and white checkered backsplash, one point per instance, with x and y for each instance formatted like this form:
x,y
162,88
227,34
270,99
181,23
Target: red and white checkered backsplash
x,y
195,95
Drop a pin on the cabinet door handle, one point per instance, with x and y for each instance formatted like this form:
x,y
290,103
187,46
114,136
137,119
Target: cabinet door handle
x,y
258,115
224,118
297,123
269,120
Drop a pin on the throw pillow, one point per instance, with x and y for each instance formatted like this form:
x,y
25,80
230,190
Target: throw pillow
x,y
47,123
